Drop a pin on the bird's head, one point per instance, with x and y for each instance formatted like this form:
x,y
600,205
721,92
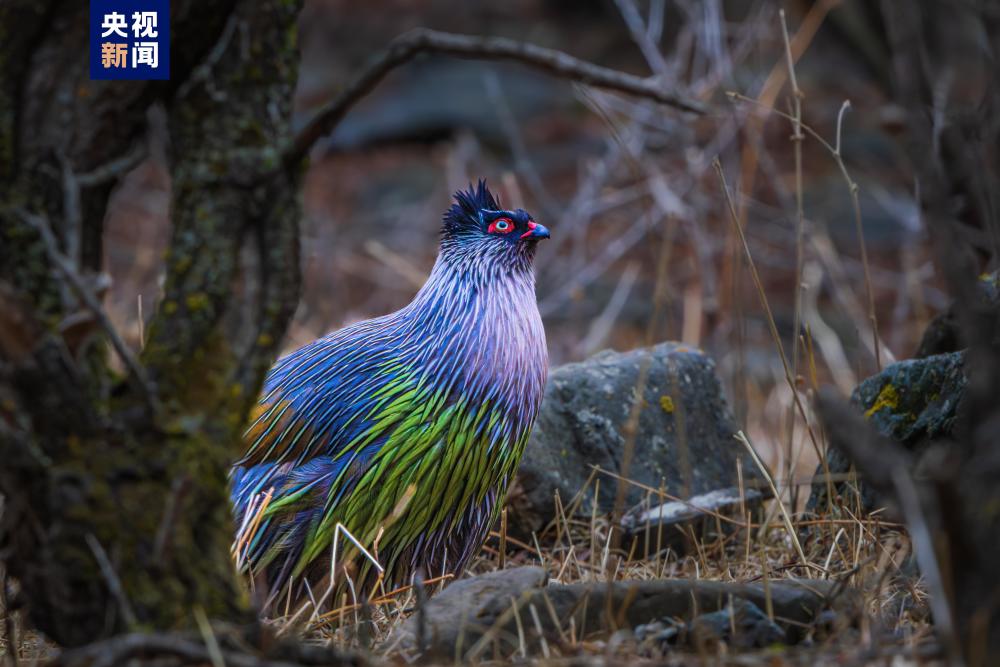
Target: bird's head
x,y
477,226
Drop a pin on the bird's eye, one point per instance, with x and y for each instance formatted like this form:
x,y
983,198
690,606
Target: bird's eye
x,y
501,226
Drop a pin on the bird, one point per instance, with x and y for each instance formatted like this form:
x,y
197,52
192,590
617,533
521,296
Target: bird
x,y
400,435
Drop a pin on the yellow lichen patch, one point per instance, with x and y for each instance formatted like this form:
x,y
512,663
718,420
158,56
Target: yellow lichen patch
x,y
887,398
182,264
667,404
197,301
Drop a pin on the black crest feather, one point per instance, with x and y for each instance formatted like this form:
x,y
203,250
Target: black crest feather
x,y
464,213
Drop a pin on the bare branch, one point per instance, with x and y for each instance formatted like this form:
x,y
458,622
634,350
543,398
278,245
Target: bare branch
x,y
65,267
111,578
407,46
183,650
115,168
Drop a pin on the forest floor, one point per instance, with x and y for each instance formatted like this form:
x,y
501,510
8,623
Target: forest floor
x,y
866,553
869,555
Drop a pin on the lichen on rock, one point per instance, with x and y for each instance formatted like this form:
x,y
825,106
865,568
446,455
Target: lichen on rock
x,y
914,402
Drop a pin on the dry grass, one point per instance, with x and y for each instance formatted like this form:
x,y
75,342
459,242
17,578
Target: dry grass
x,y
867,554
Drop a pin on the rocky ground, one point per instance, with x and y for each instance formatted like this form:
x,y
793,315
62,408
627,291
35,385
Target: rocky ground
x,y
701,565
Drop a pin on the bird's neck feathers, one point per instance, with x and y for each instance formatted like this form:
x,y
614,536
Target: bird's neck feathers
x,y
483,260
475,289
506,271
482,321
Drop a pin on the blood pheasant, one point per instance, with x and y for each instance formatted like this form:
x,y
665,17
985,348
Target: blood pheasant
x,y
404,429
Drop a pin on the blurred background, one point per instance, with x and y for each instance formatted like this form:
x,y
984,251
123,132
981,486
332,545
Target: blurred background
x,y
626,186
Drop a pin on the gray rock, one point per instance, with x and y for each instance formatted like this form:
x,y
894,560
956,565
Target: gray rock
x,y
454,613
494,612
914,402
740,624
672,525
683,438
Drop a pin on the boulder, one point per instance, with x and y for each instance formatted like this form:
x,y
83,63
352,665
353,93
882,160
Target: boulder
x,y
441,627
683,438
914,402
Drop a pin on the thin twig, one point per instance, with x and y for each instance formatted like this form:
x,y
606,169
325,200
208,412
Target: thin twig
x,y
777,497
631,427
614,250
110,171
397,262
767,310
164,531
519,148
539,629
856,202
111,579
859,230
407,46
203,72
603,323
142,323
208,636
797,138
502,560
640,32
137,374
768,94
72,215
840,124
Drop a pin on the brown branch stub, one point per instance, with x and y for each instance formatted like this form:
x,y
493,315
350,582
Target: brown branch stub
x,y
64,266
421,40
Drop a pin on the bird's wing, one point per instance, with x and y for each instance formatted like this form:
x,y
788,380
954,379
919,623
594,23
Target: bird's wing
x,y
330,398
326,410
349,431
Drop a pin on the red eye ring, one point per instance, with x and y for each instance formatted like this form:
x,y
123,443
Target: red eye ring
x,y
501,226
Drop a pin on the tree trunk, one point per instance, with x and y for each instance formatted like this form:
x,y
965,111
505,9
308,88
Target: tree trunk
x,y
117,512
